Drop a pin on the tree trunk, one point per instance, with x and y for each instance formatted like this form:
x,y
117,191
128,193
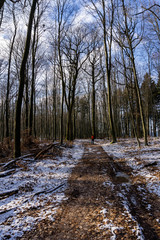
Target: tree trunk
x,y
108,71
135,75
32,93
93,104
132,117
8,77
69,125
27,100
2,3
139,101
34,115
17,146
62,127
46,117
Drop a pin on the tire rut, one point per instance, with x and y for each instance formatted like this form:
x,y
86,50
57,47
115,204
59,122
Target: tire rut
x,y
102,203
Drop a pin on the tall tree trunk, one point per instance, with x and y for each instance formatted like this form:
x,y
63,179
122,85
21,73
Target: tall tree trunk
x,y
74,124
132,116
54,100
8,76
31,101
108,68
61,126
154,125
34,116
70,123
34,46
2,3
41,128
54,112
93,104
17,146
2,121
139,101
46,117
135,75
63,83
27,99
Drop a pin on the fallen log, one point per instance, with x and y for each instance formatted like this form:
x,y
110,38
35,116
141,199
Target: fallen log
x,y
45,150
6,173
8,193
8,210
11,164
49,190
16,191
150,164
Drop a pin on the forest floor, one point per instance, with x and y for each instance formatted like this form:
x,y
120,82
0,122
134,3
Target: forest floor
x,y
87,192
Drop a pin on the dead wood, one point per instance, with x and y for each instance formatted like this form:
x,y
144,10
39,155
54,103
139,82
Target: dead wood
x,y
150,164
7,173
49,190
8,210
8,193
42,152
11,164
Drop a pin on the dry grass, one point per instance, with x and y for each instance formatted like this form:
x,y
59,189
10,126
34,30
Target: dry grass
x,y
6,147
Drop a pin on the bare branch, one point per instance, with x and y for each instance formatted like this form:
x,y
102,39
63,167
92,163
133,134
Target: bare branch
x,y
150,10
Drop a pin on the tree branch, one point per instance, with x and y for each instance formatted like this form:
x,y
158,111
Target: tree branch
x,y
150,10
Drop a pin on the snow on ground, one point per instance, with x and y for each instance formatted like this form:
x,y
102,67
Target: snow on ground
x,y
19,213
137,158
126,150
108,224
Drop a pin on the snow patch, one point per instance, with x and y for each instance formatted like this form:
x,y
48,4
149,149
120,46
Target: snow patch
x,y
137,158
19,213
108,224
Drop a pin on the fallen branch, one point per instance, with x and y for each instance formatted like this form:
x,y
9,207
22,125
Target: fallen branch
x,y
150,164
49,190
7,173
8,210
45,150
16,190
11,164
8,193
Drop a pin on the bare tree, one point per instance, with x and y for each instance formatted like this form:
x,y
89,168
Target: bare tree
x,y
93,70
64,13
151,10
105,17
9,72
129,32
35,41
3,1
76,53
21,85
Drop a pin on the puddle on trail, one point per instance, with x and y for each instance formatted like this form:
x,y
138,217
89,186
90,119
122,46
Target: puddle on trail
x,y
121,177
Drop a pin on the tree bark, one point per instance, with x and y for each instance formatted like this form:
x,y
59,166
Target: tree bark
x,y
132,117
17,145
32,86
8,77
108,69
135,75
2,3
93,103
27,99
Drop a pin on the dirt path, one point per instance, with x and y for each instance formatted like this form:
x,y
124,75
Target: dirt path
x,y
104,202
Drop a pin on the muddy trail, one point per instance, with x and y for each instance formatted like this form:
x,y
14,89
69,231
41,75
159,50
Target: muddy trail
x,y
104,201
